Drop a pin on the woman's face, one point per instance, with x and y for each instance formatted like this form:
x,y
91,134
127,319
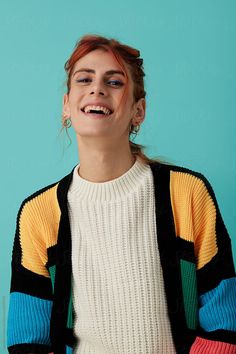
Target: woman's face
x,y
98,83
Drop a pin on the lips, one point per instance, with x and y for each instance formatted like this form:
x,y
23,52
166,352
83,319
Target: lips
x,y
95,115
97,108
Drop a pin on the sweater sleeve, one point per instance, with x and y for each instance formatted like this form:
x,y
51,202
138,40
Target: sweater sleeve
x,y
215,275
30,303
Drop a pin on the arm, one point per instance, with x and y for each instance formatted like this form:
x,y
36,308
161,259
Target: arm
x,y
30,302
215,275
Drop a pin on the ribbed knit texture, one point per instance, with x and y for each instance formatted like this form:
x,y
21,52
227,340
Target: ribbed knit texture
x,y
27,314
195,215
206,346
216,307
118,289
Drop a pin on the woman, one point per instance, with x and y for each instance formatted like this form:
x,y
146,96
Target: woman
x,y
125,254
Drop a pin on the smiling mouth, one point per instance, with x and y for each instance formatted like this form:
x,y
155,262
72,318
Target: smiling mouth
x,y
96,112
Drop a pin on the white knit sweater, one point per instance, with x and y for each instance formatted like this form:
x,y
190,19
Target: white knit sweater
x,y
118,289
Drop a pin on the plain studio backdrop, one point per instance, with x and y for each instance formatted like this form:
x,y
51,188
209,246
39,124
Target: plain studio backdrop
x,y
189,53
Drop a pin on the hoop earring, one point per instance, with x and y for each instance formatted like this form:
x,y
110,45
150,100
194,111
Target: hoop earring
x,y
66,121
134,129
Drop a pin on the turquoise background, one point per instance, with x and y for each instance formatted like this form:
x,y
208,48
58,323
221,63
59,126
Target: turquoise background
x,y
189,52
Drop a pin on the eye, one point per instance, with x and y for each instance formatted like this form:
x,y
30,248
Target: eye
x,y
83,80
115,83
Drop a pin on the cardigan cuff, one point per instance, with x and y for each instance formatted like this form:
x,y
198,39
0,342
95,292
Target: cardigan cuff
x,y
29,349
206,346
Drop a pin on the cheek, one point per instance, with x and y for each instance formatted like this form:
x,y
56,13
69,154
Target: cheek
x,y
74,99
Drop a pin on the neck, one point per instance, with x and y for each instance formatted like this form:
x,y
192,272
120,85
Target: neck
x,y
104,165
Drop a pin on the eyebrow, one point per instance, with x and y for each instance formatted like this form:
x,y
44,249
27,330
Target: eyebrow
x,y
109,72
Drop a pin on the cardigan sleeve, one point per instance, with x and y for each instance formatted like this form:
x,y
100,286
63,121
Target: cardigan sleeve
x,y
215,275
30,303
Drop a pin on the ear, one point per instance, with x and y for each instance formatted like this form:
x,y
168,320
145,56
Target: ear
x,y
66,106
140,111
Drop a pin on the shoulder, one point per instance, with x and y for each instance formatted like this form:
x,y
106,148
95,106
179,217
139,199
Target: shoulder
x,y
38,218
44,203
39,214
39,199
183,171
194,207
185,184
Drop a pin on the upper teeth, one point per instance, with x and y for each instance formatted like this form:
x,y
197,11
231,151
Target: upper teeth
x,y
97,108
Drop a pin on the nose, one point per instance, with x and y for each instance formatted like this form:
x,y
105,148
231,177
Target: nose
x,y
99,92
98,88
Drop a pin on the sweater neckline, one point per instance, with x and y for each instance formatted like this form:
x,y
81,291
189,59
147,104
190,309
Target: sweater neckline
x,y
108,191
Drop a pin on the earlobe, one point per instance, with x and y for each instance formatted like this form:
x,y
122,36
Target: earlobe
x,y
143,105
140,112
66,108
65,98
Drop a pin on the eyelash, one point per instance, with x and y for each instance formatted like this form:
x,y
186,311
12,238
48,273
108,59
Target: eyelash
x,y
119,83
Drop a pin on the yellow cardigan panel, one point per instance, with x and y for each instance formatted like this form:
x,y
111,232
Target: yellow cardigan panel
x,y
194,215
38,229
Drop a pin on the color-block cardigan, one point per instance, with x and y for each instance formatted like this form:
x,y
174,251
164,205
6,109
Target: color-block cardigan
x,y
196,258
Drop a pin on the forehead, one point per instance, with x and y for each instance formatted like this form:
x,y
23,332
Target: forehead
x,y
100,60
